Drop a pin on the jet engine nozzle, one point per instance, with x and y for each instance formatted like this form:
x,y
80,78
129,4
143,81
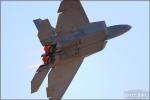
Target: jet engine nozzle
x,y
117,30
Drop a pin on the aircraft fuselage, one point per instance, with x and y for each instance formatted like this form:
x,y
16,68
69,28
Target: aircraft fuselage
x,y
82,42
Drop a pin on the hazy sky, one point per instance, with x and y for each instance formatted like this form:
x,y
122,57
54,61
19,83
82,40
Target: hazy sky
x,y
122,65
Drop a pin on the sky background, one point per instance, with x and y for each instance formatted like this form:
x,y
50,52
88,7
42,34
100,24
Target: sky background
x,y
123,64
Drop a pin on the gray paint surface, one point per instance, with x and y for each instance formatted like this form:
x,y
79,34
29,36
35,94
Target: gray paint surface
x,y
75,38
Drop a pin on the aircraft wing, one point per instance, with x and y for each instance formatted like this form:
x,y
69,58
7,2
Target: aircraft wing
x,y
61,76
72,16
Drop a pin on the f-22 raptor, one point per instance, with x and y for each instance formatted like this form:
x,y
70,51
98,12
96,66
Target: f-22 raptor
x,y
66,46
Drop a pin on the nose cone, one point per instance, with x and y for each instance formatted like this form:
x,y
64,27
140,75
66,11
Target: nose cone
x,y
117,30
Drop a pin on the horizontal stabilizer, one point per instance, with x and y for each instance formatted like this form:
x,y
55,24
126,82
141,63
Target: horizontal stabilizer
x,y
37,23
45,30
38,78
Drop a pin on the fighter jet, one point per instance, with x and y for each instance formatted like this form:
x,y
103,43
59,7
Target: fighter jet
x,y
67,45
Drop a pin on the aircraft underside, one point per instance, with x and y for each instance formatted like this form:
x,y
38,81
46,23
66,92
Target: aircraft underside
x,y
66,46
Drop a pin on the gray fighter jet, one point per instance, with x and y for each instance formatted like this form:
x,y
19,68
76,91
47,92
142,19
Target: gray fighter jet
x,y
66,46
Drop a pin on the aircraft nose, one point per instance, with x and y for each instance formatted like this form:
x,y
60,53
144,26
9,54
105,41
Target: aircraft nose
x,y
125,28
117,30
